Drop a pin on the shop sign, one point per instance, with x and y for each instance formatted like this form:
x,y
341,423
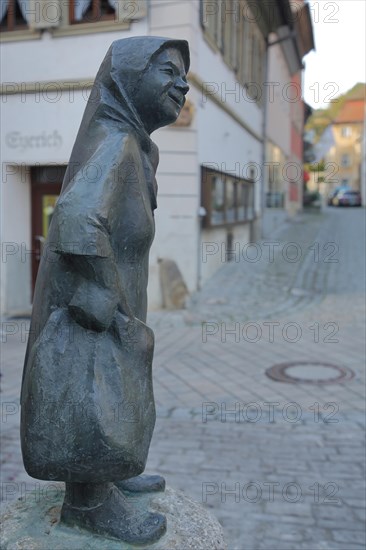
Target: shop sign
x,y
22,142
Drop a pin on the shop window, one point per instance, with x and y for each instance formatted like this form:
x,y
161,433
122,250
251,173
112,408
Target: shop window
x,y
231,203
227,200
217,199
14,15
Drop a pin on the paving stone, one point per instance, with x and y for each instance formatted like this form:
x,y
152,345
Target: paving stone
x,y
348,536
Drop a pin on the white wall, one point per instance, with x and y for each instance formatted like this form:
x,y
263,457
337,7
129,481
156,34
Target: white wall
x,y
224,143
214,250
15,240
177,221
176,217
62,57
41,131
218,77
279,109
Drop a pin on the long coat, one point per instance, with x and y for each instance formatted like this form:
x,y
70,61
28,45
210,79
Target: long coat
x,y
87,399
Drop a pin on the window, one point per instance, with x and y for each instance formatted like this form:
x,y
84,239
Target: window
x,y
231,200
92,11
346,131
226,199
67,17
14,15
231,27
345,161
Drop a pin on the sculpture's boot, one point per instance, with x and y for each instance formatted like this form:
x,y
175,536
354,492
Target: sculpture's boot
x,y
142,484
103,509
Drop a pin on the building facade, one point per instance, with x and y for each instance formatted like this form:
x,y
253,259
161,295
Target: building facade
x,y
344,158
285,120
210,178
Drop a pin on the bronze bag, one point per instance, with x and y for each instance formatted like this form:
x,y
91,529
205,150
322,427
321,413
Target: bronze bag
x,y
88,406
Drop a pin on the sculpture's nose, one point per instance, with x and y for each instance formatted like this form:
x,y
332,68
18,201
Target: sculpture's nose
x,y
182,85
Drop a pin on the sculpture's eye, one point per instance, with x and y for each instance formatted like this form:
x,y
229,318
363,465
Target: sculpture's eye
x,y
168,71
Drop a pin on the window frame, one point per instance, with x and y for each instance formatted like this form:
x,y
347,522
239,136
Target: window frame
x,y
96,12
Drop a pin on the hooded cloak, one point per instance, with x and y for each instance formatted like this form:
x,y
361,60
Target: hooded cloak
x,y
87,399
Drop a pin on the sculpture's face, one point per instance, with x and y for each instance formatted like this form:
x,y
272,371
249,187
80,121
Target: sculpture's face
x,y
161,94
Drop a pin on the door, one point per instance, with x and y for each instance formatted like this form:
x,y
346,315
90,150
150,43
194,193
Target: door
x,y
46,188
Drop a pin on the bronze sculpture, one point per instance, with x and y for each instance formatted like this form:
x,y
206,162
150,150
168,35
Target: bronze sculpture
x,y
87,400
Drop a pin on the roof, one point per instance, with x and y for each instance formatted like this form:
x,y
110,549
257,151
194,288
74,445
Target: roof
x,y
353,110
274,14
304,30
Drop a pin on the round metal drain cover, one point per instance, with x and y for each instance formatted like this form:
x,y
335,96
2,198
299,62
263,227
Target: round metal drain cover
x,y
308,372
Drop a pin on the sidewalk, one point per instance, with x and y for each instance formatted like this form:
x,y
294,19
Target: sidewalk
x,y
280,465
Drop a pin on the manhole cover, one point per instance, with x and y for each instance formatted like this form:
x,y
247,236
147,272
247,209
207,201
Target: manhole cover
x,y
308,372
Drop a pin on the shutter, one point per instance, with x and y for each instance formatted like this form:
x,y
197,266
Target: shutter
x,y
44,14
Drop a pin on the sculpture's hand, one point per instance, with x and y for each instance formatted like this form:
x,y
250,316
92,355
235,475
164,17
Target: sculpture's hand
x,y
93,307
98,295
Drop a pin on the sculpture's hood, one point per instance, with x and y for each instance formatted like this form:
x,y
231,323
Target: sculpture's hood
x,y
110,101
122,70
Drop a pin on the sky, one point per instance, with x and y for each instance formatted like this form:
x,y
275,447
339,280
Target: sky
x,y
339,61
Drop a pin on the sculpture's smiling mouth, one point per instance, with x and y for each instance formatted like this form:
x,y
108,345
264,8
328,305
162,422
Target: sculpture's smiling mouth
x,y
178,99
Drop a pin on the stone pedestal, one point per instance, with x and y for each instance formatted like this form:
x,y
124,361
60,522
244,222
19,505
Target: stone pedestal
x,y
32,523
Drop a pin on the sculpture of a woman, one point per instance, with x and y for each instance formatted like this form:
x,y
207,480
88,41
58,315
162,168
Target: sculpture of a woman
x,y
87,400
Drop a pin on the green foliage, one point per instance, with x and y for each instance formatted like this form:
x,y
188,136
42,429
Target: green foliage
x,y
321,118
316,167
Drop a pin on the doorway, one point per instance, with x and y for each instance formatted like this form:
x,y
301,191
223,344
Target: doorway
x,y
46,188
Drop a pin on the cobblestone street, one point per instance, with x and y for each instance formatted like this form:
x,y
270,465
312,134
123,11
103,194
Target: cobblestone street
x,y
281,465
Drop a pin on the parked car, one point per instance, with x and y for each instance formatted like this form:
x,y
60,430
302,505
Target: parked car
x,y
332,195
347,198
312,199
